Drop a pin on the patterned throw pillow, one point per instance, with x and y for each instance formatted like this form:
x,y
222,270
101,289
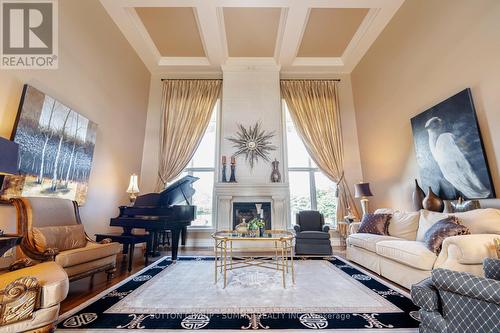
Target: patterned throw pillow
x,y
446,227
376,224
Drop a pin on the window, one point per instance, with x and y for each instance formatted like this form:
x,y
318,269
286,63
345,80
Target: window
x,y
202,165
309,187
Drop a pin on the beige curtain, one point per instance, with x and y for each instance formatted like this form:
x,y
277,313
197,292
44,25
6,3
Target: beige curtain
x,y
315,112
186,110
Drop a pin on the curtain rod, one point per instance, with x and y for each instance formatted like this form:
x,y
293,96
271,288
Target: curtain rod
x,y
336,80
191,79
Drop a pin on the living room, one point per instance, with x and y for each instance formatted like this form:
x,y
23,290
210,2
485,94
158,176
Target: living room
x,y
226,165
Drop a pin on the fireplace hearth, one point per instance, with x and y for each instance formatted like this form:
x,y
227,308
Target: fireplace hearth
x,y
248,210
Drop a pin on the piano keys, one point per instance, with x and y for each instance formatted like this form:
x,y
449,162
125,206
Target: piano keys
x,y
158,212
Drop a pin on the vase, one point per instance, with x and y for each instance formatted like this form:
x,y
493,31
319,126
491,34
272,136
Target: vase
x,y
418,196
261,232
432,202
275,174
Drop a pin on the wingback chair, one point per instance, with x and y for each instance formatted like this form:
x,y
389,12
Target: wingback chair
x,y
312,235
52,231
452,301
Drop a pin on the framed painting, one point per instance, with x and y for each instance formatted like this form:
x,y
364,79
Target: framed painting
x,y
56,147
450,151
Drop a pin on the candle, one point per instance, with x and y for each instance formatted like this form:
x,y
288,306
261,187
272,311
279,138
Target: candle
x,y
223,159
233,160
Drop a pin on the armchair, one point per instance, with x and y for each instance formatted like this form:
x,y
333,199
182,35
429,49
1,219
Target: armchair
x,y
30,298
52,231
312,235
452,301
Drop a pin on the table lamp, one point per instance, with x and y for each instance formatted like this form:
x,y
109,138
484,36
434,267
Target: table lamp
x,y
133,189
362,191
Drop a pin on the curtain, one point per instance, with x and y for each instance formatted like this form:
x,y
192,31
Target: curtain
x,y
186,108
314,109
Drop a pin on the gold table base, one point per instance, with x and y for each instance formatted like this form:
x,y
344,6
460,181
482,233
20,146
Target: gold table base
x,y
225,260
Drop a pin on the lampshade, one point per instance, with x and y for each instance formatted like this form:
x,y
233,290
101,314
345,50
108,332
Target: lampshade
x,y
133,186
9,157
362,190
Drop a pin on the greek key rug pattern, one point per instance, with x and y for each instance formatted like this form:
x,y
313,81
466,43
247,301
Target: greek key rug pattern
x,y
93,317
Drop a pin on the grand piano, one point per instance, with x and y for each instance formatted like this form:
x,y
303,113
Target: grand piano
x,y
158,212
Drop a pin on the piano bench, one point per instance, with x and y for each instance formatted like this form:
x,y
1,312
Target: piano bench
x,y
128,242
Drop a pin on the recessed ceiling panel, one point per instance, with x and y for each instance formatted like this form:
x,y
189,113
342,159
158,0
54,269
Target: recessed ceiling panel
x,y
173,30
329,31
251,32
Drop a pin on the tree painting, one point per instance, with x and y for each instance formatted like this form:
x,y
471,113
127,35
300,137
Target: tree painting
x,y
56,147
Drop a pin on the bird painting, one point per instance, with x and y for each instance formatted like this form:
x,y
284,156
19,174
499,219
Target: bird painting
x,y
449,149
452,161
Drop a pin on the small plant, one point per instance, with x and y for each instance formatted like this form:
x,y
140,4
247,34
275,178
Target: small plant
x,y
256,223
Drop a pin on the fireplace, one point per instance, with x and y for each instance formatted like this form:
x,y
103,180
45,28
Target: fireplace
x,y
248,210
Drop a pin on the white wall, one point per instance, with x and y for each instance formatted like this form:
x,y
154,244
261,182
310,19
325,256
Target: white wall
x,y
428,52
250,96
101,77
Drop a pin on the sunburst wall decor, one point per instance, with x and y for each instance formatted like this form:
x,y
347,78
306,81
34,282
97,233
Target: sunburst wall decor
x,y
253,142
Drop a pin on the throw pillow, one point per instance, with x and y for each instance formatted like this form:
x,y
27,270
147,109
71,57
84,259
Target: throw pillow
x,y
426,221
63,238
442,229
376,224
404,225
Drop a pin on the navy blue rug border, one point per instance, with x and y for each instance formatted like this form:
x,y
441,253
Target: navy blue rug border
x,y
93,317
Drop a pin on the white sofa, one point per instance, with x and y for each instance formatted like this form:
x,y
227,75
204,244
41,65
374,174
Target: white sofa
x,y
402,256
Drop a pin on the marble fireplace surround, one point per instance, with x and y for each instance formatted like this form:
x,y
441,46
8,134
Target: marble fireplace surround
x,y
275,193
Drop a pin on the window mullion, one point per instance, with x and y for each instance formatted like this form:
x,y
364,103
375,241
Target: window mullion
x,y
312,190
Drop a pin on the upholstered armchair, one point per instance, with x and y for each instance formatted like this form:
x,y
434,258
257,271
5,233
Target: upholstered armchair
x,y
30,298
52,231
452,301
312,236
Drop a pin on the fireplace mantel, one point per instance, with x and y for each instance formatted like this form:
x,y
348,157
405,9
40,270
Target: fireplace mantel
x,y
276,193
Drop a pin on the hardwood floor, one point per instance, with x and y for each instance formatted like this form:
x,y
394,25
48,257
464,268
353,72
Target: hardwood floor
x,y
84,289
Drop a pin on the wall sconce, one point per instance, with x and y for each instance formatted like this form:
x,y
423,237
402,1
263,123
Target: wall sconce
x,y
133,189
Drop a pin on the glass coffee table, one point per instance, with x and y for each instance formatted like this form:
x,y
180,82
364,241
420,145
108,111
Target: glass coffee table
x,y
281,245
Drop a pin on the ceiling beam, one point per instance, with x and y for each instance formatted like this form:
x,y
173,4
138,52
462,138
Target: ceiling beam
x,y
295,23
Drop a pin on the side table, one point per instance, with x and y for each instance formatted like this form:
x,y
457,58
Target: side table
x,y
343,228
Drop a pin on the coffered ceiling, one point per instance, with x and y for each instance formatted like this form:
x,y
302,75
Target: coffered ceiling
x,y
203,36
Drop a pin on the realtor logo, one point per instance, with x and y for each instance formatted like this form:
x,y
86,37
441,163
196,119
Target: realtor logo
x,y
29,34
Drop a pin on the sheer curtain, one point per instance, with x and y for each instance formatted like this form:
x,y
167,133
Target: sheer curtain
x,y
186,109
314,109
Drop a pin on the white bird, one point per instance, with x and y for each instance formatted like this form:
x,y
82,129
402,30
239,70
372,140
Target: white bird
x,y
452,162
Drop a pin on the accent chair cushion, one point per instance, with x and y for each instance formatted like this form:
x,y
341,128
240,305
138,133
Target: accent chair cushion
x,y
51,276
368,241
312,235
447,227
411,253
60,237
375,224
92,251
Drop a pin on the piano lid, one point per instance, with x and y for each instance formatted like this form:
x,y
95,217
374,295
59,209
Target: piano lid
x,y
177,193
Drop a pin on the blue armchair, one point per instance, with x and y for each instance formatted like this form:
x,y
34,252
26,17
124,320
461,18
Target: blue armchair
x,y
452,301
312,235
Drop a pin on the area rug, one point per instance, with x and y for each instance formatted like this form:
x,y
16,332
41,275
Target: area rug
x,y
328,293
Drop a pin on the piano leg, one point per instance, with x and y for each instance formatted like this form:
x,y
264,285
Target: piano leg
x,y
183,236
156,243
175,242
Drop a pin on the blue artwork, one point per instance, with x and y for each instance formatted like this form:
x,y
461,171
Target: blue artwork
x,y
450,152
